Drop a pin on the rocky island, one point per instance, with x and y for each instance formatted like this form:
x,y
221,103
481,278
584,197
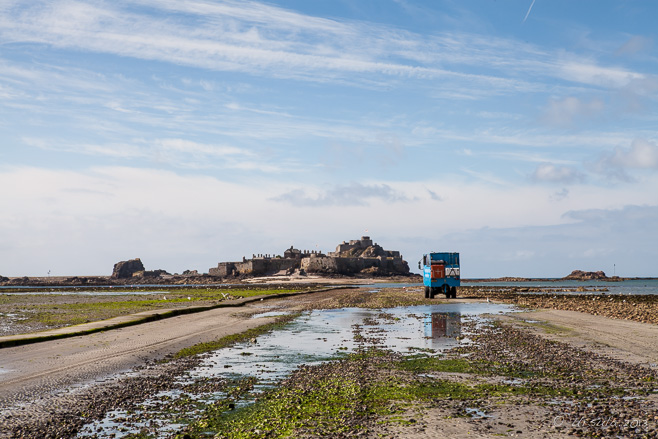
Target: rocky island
x,y
356,257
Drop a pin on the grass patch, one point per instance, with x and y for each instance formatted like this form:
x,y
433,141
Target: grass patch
x,y
52,311
252,293
288,412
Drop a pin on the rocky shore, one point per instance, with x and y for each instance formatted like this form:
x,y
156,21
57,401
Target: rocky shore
x,y
578,275
191,280
640,308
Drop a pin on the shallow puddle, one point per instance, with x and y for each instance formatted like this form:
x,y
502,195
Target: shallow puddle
x,y
314,337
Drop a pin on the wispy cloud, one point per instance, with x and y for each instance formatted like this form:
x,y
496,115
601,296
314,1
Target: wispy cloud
x,y
262,39
178,153
354,194
635,44
568,111
551,173
529,9
588,72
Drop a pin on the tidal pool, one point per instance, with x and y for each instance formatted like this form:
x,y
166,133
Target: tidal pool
x,y
312,338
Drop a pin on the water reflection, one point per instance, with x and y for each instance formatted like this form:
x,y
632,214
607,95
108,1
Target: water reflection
x,y
443,325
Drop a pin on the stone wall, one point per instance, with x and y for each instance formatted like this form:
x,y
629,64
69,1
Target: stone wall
x,y
357,256
340,265
255,267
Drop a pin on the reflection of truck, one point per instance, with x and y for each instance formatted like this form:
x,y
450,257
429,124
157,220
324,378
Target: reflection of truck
x,y
440,274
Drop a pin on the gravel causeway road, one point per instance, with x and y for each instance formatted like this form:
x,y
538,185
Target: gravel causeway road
x,y
29,372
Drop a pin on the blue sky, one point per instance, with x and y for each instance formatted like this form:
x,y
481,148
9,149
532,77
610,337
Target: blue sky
x,y
520,133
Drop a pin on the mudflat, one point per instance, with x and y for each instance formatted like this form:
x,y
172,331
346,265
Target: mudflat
x,y
46,389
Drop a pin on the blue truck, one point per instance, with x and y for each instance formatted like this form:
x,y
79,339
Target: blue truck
x,y
440,274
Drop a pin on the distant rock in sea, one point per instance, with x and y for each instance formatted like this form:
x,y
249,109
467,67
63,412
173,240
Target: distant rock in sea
x,y
586,275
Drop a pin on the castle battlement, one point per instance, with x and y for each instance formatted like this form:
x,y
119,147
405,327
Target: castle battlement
x,y
355,256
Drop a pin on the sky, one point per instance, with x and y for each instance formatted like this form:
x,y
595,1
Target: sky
x,y
520,133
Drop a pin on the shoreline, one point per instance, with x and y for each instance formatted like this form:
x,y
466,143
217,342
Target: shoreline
x,y
205,280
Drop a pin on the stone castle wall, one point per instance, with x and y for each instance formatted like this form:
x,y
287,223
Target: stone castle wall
x,y
341,265
349,258
254,267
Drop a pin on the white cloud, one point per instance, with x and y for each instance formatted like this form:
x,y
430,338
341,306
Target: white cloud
x,y
566,112
620,161
642,154
592,74
551,173
354,194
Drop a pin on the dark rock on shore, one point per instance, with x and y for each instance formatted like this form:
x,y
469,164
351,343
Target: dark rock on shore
x,y
126,269
150,273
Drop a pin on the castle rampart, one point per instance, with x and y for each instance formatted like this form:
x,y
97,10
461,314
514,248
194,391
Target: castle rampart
x,y
357,256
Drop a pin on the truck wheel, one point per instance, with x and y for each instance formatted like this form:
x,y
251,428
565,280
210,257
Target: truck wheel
x,y
431,293
453,292
427,292
446,289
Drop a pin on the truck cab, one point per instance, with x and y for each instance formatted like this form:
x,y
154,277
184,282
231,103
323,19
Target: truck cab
x,y
440,274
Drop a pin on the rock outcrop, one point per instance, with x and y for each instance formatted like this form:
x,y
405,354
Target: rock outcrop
x,y
586,275
359,256
126,269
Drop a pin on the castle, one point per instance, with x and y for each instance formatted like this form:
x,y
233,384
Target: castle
x,y
360,256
